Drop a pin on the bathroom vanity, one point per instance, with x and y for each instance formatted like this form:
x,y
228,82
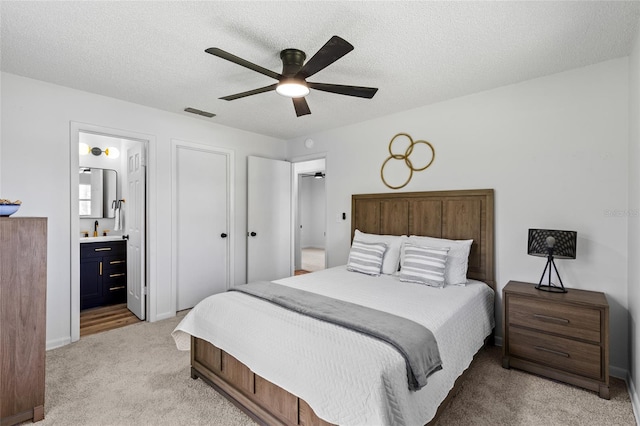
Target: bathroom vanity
x,y
103,271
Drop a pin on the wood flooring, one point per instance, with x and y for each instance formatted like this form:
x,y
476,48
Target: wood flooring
x,y
105,318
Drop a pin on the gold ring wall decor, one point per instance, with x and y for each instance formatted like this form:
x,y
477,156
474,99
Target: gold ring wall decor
x,y
405,157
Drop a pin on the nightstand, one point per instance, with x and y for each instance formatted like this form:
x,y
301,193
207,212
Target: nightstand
x,y
563,336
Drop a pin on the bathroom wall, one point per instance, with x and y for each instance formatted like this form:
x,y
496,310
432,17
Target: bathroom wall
x,y
103,162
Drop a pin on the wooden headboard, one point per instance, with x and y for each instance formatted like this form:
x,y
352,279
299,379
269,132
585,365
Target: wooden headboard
x,y
455,215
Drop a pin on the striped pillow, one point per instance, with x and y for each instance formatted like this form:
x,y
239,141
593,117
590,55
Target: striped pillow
x,y
366,257
423,265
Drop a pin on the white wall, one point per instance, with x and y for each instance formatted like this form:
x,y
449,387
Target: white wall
x,y
35,168
634,222
555,151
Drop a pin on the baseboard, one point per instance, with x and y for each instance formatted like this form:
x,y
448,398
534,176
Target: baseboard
x,y
163,316
58,343
635,402
618,372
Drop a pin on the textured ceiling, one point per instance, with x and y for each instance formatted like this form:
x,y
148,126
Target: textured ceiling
x,y
416,53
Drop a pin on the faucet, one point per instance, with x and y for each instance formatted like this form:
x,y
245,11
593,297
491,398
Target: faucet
x,y
95,229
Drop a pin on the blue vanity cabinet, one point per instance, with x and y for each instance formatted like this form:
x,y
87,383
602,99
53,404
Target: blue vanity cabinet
x,y
103,274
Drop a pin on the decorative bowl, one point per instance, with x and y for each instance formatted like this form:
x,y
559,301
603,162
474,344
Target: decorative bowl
x,y
8,209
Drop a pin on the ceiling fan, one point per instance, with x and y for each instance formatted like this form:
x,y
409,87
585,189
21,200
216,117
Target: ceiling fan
x,y
316,175
292,82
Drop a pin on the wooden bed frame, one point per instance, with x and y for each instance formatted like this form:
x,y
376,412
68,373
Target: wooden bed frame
x,y
459,215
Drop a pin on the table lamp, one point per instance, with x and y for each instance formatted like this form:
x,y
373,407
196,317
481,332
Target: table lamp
x,y
552,244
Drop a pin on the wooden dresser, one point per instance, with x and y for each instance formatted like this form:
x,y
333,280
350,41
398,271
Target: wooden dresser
x,y
23,285
563,336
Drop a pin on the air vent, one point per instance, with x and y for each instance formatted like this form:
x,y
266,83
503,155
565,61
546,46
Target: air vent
x,y
199,112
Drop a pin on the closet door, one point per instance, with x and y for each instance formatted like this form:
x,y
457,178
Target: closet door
x,y
201,202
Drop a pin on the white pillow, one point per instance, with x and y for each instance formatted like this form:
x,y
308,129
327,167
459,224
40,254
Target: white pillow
x,y
423,265
366,257
391,259
457,259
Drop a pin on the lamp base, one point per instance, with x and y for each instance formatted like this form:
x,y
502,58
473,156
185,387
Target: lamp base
x,y
551,288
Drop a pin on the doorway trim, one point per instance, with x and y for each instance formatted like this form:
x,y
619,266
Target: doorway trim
x,y
75,128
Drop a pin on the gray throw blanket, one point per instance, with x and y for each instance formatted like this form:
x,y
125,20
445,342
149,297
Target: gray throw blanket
x,y
415,343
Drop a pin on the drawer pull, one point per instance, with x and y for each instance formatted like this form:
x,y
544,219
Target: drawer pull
x,y
103,249
551,319
551,351
116,275
116,262
116,288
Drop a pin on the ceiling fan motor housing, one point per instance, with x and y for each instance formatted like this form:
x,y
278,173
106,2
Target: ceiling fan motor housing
x,y
292,61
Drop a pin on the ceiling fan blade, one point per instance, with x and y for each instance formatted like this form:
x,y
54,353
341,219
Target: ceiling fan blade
x,y
242,62
333,50
250,92
360,92
301,106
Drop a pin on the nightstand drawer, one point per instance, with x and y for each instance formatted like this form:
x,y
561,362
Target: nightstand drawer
x,y
575,357
567,320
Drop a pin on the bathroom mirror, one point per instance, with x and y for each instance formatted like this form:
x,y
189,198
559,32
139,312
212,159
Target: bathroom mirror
x,y
97,192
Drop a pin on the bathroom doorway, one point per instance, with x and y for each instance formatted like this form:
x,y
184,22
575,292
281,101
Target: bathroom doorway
x,y
118,292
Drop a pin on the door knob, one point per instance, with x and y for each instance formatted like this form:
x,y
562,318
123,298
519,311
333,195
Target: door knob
x,y
223,235
253,234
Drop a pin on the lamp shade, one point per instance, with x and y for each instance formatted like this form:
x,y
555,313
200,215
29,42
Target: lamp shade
x,y
561,243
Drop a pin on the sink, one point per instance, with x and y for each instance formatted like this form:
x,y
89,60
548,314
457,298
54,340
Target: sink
x,y
100,239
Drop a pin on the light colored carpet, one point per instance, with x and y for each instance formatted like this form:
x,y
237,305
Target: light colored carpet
x,y
312,259
136,376
131,376
492,395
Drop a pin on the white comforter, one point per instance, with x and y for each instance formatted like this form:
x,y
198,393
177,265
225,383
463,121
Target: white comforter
x,y
346,377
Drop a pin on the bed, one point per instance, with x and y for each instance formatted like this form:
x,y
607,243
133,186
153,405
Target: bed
x,y
285,368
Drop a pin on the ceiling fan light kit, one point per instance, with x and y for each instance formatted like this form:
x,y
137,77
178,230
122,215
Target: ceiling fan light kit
x,y
292,88
292,82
